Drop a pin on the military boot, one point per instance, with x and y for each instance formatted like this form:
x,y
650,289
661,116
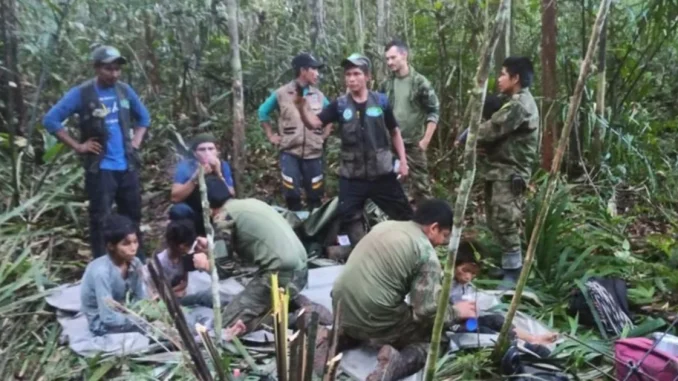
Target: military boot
x,y
393,365
324,314
510,279
338,253
355,230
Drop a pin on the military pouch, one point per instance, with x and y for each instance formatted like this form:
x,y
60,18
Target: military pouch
x,y
518,185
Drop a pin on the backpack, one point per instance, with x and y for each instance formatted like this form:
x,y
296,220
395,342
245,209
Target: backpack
x,y
602,303
636,359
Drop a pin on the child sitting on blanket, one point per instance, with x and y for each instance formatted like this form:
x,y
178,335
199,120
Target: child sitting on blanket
x,y
466,268
112,277
184,253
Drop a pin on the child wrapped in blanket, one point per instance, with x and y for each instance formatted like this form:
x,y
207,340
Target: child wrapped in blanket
x,y
466,268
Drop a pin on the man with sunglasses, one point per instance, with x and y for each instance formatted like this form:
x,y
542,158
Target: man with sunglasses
x,y
108,143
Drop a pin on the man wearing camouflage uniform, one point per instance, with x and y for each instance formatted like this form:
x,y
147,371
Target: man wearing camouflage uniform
x,y
394,259
259,236
508,142
415,105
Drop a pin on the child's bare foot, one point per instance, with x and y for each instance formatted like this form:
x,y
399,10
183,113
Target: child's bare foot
x,y
545,339
236,329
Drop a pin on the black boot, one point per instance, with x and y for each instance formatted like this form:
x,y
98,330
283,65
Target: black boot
x,y
510,279
393,365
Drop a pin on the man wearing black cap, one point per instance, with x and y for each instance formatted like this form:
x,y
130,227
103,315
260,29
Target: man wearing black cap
x,y
109,140
185,191
367,128
301,149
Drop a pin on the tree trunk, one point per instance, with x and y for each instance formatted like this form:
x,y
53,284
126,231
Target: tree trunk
x,y
503,47
575,100
477,100
358,24
597,138
318,24
238,101
381,39
548,78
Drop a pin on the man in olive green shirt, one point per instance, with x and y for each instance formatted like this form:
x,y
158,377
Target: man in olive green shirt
x,y
393,260
259,236
415,106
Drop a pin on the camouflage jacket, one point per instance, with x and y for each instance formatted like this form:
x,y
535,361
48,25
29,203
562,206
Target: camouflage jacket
x,y
510,139
423,105
426,289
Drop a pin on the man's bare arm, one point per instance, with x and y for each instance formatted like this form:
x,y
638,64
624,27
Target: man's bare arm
x,y
90,146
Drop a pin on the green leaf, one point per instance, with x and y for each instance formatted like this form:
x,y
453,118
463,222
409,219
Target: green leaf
x,y
101,371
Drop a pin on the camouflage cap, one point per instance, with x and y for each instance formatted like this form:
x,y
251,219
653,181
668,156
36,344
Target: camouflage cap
x,y
205,137
107,54
357,59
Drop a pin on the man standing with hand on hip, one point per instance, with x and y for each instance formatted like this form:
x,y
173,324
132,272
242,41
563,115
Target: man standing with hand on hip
x,y
416,108
109,141
301,149
367,130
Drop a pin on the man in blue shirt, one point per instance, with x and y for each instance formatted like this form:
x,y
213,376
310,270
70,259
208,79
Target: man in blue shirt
x,y
301,149
108,143
185,190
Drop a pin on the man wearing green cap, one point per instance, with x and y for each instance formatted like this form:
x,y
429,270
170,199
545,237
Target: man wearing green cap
x,y
415,105
367,128
185,191
112,124
301,149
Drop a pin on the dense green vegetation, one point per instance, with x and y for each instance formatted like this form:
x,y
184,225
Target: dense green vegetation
x,y
616,213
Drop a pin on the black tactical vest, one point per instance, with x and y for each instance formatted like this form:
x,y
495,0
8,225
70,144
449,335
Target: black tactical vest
x,y
365,147
92,126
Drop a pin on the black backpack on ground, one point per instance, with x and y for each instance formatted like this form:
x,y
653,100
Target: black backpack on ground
x,y
602,303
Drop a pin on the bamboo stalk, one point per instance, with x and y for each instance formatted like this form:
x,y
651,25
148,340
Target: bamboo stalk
x,y
585,68
198,365
334,338
213,352
209,230
475,106
311,333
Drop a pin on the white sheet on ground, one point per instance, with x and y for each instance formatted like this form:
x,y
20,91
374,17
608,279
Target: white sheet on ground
x,y
357,363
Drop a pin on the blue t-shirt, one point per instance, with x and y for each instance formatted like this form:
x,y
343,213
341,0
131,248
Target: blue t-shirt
x,y
187,167
114,158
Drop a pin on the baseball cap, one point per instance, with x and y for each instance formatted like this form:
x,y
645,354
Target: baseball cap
x,y
357,59
303,60
107,54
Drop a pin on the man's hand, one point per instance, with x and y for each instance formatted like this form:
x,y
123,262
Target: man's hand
x,y
201,262
423,144
215,165
403,170
201,245
236,329
299,95
90,146
274,139
465,310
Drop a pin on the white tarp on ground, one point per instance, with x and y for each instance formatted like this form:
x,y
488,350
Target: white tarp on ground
x,y
357,363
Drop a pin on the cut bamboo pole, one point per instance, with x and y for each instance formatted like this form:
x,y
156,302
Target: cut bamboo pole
x,y
475,106
209,230
575,100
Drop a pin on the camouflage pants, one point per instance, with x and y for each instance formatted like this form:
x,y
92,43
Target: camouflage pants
x,y
504,213
254,302
417,187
